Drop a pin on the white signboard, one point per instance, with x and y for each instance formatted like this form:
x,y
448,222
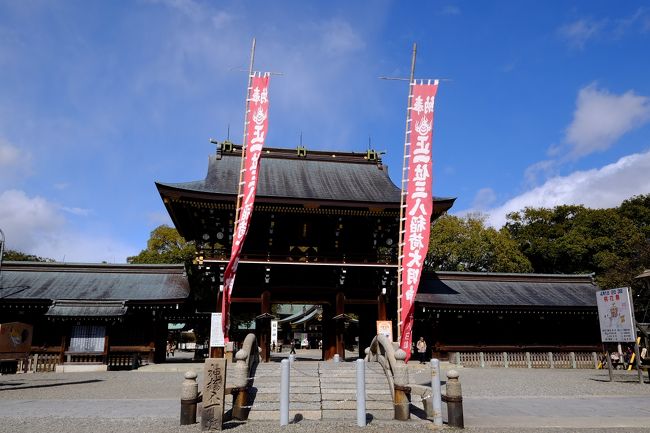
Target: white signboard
x,y
216,331
385,327
274,332
615,315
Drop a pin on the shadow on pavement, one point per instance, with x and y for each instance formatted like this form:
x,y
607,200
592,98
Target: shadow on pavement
x,y
48,385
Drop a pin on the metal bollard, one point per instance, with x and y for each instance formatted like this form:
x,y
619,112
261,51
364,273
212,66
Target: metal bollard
x,y
361,392
292,358
189,397
284,392
436,397
454,400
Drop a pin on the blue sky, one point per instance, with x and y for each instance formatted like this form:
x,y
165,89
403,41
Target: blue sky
x,y
548,103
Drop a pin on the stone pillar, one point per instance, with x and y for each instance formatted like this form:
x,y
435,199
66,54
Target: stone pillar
x,y
402,392
189,394
214,393
454,400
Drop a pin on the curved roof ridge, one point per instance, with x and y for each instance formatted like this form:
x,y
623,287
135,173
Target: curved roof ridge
x,y
319,176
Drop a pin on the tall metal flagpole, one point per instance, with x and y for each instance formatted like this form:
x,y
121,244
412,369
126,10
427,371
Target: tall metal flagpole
x,y
402,204
224,296
243,147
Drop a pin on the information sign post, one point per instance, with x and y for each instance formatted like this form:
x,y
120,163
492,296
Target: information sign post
x,y
617,324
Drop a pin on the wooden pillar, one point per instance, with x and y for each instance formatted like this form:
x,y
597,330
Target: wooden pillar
x,y
264,329
340,324
329,336
160,337
381,307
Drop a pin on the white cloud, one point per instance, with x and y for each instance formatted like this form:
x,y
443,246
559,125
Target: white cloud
x,y
484,198
598,188
450,10
27,221
12,160
339,38
34,225
78,211
579,32
159,218
189,8
542,169
60,186
9,154
601,118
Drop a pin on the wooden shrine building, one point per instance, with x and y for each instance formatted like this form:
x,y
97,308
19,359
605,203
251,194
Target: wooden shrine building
x,y
100,315
477,312
324,231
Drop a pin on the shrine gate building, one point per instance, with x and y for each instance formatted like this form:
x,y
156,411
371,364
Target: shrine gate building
x,y
324,231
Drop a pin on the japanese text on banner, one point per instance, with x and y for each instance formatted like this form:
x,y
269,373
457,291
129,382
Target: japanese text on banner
x,y
419,204
256,128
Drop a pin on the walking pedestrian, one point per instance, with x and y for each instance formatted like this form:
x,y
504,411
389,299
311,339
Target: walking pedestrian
x,y
422,349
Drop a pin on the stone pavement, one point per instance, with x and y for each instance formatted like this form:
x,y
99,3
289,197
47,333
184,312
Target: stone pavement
x,y
493,398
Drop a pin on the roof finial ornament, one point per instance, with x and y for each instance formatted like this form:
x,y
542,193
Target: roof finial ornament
x,y
301,150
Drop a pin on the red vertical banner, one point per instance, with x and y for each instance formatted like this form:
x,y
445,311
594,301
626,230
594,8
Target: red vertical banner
x,y
256,128
419,203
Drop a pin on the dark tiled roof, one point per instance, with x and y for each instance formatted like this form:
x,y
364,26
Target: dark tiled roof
x,y
29,281
318,176
515,290
87,309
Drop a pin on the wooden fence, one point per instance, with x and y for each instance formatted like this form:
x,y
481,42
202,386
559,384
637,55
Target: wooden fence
x,y
583,360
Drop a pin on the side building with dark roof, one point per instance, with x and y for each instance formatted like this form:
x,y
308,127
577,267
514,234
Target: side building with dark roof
x,y
94,314
501,312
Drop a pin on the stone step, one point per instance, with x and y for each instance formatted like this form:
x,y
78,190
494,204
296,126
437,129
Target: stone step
x,y
274,415
319,390
351,414
352,404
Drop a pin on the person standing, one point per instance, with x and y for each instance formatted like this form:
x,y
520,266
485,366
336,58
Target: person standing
x,y
422,349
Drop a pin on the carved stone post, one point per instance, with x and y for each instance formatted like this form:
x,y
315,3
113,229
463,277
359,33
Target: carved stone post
x,y
214,393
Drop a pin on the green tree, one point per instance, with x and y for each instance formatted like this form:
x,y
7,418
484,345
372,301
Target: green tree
x,y
574,239
165,245
13,255
637,209
466,244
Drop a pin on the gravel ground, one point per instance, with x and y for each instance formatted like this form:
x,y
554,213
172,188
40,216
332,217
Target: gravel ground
x,y
477,384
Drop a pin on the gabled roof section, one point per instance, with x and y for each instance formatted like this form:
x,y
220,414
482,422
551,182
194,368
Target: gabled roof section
x,y
87,309
477,289
34,281
317,176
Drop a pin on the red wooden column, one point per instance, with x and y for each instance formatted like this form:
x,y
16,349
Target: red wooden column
x,y
340,325
381,307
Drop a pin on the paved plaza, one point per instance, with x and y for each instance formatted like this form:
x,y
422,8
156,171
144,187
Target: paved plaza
x,y
494,400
